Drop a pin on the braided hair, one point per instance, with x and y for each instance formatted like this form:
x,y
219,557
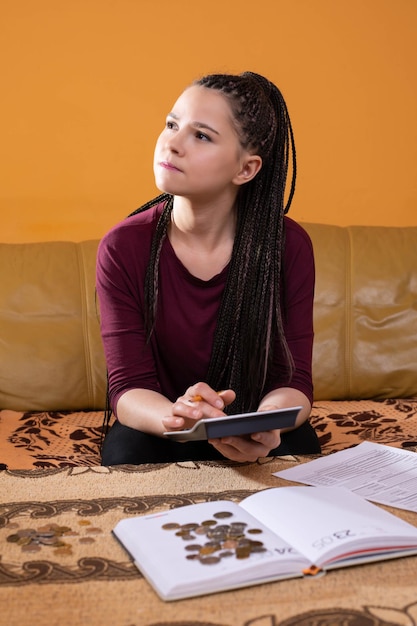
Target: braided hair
x,y
250,317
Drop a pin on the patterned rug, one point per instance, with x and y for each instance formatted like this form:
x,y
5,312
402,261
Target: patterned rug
x,y
60,564
63,439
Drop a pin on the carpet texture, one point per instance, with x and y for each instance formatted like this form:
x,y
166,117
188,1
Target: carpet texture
x,y
80,575
69,439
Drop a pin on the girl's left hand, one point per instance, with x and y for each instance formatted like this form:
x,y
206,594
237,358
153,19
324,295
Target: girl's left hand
x,y
248,448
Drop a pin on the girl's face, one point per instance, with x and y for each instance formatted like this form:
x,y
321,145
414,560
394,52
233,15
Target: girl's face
x,y
198,154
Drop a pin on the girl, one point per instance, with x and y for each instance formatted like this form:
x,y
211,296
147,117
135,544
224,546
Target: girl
x,y
209,287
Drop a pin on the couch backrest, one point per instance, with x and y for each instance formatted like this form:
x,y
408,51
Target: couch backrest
x,y
51,356
365,312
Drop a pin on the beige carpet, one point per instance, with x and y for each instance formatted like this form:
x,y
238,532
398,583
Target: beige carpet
x,y
91,581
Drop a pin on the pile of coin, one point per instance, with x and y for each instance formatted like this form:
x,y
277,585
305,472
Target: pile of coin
x,y
51,535
217,541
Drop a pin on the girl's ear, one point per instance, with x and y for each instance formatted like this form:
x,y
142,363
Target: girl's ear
x,y
251,166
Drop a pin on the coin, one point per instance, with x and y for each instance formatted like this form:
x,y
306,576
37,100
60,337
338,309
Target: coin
x,y
92,531
242,552
223,514
215,545
193,547
255,544
31,547
49,541
170,526
190,526
243,543
24,541
222,527
27,532
208,550
257,549
45,529
65,529
217,535
64,551
209,560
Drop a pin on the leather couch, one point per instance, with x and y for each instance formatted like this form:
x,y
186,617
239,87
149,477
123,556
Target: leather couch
x,y
51,357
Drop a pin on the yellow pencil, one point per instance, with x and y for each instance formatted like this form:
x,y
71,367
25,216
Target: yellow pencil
x,y
199,398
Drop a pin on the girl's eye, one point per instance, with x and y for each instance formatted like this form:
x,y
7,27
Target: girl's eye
x,y
170,124
202,136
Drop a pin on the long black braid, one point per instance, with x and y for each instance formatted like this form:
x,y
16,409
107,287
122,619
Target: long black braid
x,y
250,317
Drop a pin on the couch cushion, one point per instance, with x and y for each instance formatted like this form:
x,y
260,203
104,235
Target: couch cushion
x,y
365,312
51,356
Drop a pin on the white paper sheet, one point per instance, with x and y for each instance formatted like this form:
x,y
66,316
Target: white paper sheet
x,y
374,471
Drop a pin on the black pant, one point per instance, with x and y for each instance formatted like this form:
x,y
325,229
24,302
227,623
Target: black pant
x,y
124,445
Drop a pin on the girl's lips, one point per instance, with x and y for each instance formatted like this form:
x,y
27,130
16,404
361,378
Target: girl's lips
x,y
168,166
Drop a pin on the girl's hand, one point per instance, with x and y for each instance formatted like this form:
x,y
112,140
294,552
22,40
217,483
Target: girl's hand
x,y
250,447
247,448
199,401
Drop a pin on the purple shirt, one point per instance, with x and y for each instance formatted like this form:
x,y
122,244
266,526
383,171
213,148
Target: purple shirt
x,y
179,351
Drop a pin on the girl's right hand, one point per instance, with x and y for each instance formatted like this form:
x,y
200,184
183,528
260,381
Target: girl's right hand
x,y
199,401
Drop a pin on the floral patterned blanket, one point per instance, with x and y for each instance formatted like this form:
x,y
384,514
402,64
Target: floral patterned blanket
x,y
42,440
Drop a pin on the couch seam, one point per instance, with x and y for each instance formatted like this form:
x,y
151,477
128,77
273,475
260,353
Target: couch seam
x,y
84,321
349,312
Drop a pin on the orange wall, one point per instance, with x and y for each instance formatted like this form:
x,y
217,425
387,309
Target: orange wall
x,y
86,85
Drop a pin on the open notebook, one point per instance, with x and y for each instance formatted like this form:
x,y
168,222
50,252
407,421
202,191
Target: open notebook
x,y
273,534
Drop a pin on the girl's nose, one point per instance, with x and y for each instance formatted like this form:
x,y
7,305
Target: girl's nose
x,y
175,142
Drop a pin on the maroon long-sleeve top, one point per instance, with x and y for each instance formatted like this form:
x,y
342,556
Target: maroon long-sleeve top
x,y
178,354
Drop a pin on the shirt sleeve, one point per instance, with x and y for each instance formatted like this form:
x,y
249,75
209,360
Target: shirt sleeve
x,y
120,273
